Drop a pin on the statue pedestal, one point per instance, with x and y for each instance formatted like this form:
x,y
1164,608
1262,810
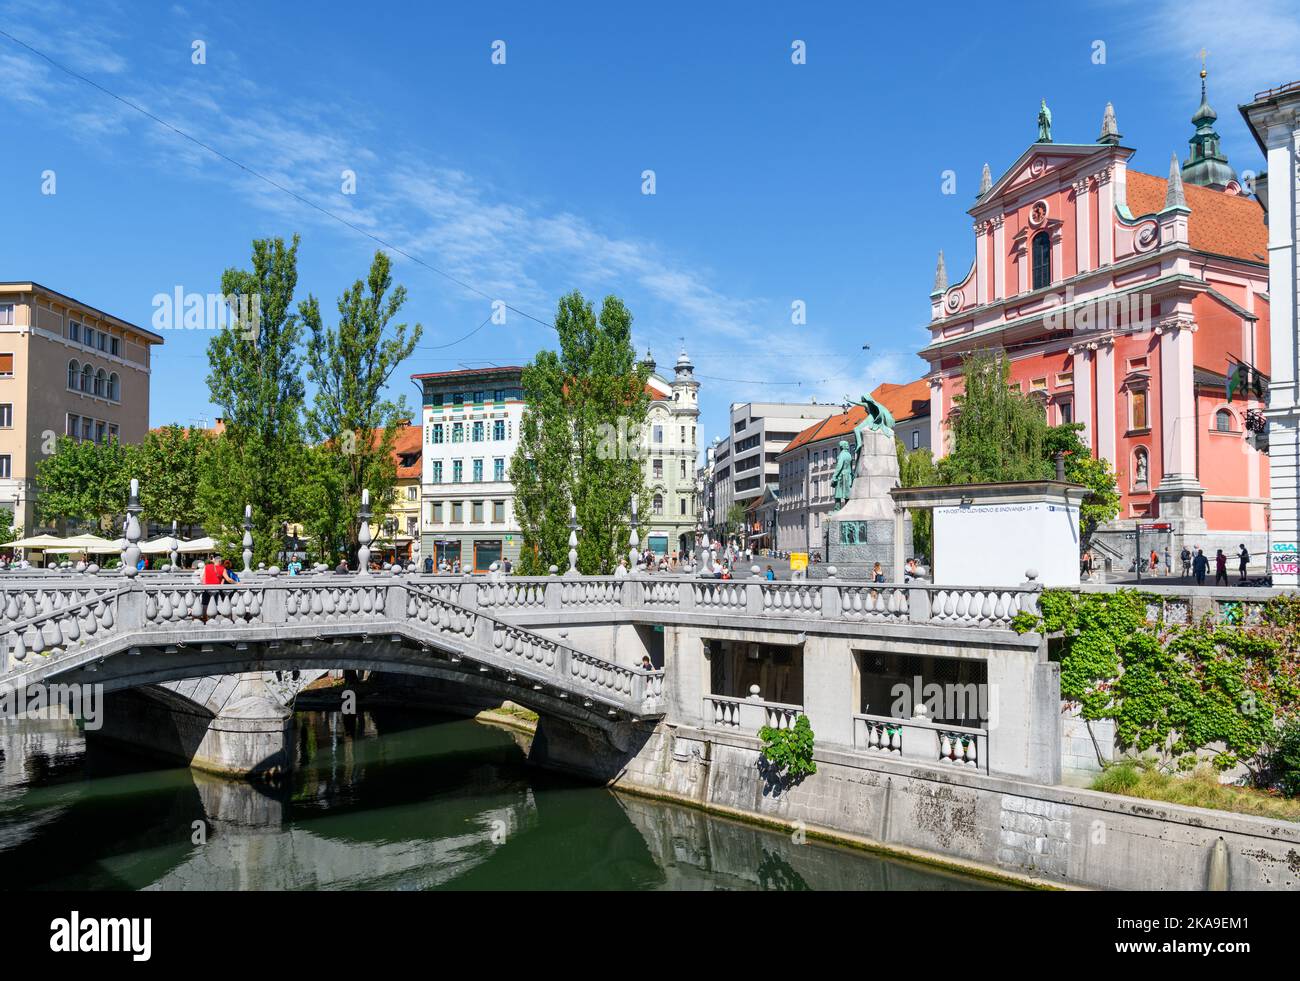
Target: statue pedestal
x,y
862,532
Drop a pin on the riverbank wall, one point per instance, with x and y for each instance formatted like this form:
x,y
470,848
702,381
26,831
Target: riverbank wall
x,y
1051,835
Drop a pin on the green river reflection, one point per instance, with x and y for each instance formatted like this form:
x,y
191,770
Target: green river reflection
x,y
386,799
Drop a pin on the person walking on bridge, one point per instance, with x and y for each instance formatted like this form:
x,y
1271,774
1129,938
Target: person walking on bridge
x,y
1220,568
1243,560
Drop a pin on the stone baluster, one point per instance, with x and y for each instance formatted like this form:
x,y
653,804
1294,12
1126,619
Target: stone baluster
x,y
363,535
131,551
248,539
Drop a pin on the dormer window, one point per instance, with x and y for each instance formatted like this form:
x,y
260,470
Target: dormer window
x,y
1042,260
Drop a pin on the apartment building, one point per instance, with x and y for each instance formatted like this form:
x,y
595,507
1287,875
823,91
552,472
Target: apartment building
x,y
66,368
745,462
470,428
670,448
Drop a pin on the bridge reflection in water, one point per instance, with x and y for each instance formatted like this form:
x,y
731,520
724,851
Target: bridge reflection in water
x,y
388,799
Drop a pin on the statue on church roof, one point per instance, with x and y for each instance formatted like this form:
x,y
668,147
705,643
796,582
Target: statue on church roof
x,y
1044,122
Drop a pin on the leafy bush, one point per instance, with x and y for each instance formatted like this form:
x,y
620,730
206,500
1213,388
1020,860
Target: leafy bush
x,y
1284,760
790,750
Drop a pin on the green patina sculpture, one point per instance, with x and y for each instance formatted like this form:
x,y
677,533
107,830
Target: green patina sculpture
x,y
878,419
1044,122
842,477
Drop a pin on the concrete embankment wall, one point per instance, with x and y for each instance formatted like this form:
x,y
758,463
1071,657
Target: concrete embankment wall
x,y
1057,835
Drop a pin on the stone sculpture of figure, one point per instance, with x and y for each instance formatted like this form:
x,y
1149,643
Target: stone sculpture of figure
x,y
842,477
877,420
1141,469
1044,122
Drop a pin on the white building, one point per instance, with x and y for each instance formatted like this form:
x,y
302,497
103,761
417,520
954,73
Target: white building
x,y
670,446
1274,118
471,430
745,462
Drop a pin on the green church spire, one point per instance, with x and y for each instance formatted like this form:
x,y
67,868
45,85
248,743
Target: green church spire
x,y
1207,166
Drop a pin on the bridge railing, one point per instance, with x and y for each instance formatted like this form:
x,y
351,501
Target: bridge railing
x,y
748,714
178,613
922,741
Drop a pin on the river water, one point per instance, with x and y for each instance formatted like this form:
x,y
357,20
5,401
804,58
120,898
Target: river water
x,y
385,799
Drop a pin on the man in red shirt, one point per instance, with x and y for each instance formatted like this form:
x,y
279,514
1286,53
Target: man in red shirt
x,y
214,574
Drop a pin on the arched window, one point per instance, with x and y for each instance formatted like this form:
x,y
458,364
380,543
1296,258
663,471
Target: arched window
x,y
101,383
114,387
659,504
1042,259
74,374
1223,421
87,379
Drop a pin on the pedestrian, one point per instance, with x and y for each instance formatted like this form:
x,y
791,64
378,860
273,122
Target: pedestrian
x,y
1169,564
507,567
1186,556
342,568
621,571
646,664
1200,565
1155,561
1220,568
877,574
1243,560
769,575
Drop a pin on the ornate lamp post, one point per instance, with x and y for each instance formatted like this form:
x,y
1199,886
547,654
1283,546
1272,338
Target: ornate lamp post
x,y
173,548
131,551
634,541
363,535
573,540
248,539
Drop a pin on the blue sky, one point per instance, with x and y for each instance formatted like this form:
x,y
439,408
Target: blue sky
x,y
775,182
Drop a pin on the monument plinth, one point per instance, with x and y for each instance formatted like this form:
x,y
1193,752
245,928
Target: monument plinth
x,y
863,528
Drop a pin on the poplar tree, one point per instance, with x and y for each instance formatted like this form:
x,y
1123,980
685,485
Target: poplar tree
x,y
351,364
580,440
255,378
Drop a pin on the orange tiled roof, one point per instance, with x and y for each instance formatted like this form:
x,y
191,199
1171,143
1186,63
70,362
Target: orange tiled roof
x,y
828,428
406,442
902,401
1223,224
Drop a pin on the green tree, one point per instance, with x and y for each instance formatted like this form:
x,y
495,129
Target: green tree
x,y
322,503
350,365
84,481
735,518
169,464
255,377
541,467
916,468
997,433
580,439
1000,434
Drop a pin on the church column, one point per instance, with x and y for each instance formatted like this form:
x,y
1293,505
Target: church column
x,y
981,263
1179,493
1105,218
1083,392
1082,225
937,448
1103,358
999,258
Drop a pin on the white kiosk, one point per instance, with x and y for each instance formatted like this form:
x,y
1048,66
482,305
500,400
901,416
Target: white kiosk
x,y
992,534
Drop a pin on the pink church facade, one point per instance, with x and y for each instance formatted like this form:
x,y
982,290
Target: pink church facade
x,y
1124,301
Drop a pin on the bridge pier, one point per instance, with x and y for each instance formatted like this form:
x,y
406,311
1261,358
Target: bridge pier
x,y
231,725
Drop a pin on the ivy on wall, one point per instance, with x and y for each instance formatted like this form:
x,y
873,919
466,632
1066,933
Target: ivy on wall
x,y
1177,689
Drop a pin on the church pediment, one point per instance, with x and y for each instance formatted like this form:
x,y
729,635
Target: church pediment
x,y
1042,162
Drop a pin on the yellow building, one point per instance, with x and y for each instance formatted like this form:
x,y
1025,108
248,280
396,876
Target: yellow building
x,y
66,368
